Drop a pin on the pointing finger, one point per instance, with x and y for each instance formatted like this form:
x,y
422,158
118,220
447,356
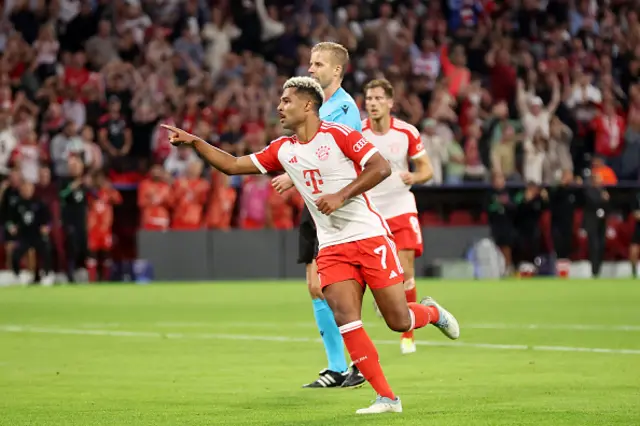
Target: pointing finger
x,y
171,128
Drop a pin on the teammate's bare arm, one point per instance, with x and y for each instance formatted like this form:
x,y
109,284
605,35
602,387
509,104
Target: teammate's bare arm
x,y
226,163
282,183
423,171
376,169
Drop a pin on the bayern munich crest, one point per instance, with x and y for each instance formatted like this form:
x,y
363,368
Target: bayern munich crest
x,y
322,153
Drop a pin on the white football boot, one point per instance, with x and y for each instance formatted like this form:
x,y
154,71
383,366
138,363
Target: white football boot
x,y
407,346
383,405
447,323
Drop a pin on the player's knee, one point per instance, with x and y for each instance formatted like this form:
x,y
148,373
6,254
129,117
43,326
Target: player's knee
x,y
398,321
343,317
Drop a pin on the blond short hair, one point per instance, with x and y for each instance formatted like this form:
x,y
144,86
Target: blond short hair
x,y
339,52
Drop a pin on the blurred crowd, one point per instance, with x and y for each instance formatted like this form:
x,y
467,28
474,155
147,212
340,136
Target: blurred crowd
x,y
526,90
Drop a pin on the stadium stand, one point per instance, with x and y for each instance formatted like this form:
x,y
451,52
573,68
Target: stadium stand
x,y
526,91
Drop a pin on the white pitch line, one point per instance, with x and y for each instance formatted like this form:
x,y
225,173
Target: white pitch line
x,y
287,339
497,326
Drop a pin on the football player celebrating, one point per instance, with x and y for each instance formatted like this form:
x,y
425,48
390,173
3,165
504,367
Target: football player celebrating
x,y
332,167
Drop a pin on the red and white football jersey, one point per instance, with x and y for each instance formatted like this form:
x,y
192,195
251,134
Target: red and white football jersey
x,y
331,160
402,142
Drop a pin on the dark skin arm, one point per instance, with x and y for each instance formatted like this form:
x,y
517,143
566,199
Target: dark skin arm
x,y
375,171
226,163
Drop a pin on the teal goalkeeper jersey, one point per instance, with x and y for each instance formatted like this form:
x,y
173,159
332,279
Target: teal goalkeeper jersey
x,y
341,108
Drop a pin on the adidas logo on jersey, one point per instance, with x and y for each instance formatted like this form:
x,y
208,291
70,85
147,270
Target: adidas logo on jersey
x,y
393,274
293,160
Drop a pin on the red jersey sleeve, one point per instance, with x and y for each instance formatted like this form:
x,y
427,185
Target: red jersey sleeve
x,y
267,160
416,147
356,148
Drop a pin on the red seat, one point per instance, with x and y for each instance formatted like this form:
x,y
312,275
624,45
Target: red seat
x,y
461,218
431,219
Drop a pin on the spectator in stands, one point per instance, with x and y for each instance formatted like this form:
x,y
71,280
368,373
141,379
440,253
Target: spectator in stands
x,y
536,152
102,48
534,115
474,168
154,200
282,208
502,73
178,160
189,198
557,161
455,69
609,127
80,28
46,50
221,202
503,154
62,145
27,157
115,134
188,47
256,191
8,143
91,152
436,147
73,108
456,161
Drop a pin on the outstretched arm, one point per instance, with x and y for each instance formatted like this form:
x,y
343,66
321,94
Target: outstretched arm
x,y
226,163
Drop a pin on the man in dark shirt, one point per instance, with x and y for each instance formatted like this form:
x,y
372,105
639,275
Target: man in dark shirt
x,y
29,224
596,205
115,134
562,200
501,209
73,201
9,197
530,205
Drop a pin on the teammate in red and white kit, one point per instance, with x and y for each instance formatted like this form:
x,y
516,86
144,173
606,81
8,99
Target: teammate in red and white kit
x,y
332,166
399,142
100,223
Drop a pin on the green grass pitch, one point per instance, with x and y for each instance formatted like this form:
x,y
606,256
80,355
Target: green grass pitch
x,y
536,352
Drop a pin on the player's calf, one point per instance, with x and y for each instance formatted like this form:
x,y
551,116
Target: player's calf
x,y
392,304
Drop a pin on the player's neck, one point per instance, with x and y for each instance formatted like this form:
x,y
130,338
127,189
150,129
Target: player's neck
x,y
381,125
330,90
308,129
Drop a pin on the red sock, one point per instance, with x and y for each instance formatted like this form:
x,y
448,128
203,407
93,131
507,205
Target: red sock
x,y
424,315
412,297
92,269
365,356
